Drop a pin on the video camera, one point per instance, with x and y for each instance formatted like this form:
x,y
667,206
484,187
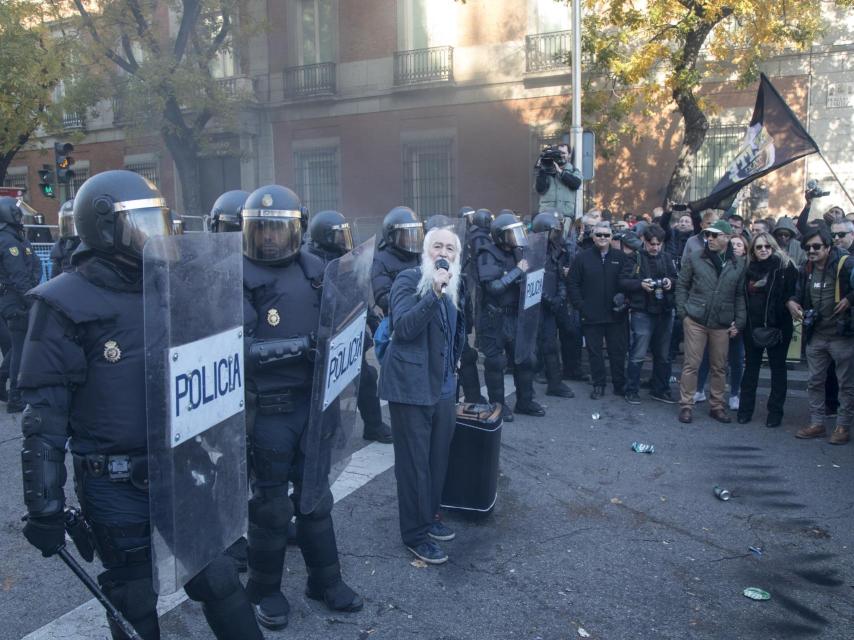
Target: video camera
x,y
551,158
814,191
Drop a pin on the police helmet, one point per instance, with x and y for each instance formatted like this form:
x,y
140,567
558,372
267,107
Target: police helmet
x,y
271,225
438,221
67,228
402,229
547,222
557,213
482,218
10,212
467,213
115,212
225,212
508,232
330,230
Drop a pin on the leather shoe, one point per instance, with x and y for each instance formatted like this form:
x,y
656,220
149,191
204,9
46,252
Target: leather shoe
x,y
530,408
773,421
597,392
560,390
812,431
740,419
839,436
720,415
506,414
685,415
378,433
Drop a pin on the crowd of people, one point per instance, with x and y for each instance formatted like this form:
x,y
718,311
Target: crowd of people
x,y
518,296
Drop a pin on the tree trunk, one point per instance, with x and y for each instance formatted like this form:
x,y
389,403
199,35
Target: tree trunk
x,y
185,153
696,125
6,159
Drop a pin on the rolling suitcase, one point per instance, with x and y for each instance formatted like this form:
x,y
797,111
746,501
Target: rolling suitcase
x,y
471,483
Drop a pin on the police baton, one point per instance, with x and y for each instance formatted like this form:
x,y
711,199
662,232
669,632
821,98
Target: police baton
x,y
114,614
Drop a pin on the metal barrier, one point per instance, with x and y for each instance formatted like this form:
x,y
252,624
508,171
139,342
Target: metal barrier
x,y
43,250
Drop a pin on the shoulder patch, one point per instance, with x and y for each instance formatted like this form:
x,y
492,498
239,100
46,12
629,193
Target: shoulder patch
x,y
14,251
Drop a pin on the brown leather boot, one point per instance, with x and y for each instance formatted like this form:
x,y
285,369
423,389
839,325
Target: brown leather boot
x,y
685,415
812,431
839,436
720,415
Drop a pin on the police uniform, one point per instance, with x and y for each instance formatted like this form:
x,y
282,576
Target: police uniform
x,y
20,271
282,294
60,255
469,378
83,379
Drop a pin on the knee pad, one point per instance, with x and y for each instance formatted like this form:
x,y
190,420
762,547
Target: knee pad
x,y
469,356
271,511
217,581
131,592
496,362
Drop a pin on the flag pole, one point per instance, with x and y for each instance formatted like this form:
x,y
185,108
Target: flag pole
x,y
836,177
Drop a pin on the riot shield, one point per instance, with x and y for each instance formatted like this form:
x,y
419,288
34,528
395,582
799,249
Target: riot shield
x,y
328,440
530,294
198,487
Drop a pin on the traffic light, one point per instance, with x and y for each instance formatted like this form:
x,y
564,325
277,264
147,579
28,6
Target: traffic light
x,y
46,182
63,160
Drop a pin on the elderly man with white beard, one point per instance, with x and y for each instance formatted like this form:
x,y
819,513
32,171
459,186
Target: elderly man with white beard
x,y
419,380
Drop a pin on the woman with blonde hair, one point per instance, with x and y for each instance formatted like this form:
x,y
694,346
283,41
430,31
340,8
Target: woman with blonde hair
x,y
769,283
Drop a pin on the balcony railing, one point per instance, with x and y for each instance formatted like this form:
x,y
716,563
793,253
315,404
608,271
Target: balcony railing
x,y
237,86
418,66
72,121
310,81
547,51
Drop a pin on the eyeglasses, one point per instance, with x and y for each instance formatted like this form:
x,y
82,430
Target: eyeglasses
x,y
711,234
762,247
602,235
840,234
814,247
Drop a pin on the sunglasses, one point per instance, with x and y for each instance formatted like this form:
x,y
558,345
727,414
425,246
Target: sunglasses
x,y
711,234
602,235
814,247
840,234
762,247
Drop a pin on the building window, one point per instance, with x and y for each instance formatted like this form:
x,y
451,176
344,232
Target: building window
x,y
426,23
713,158
81,175
316,178
16,181
428,177
551,16
146,170
317,31
224,63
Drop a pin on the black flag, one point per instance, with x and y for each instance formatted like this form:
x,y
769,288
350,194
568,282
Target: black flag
x,y
774,138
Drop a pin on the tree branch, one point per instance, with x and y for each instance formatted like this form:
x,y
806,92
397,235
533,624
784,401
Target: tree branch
x,y
93,31
221,36
189,20
143,29
128,49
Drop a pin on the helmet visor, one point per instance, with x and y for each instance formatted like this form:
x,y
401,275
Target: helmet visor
x,y
226,223
515,235
271,239
408,237
136,225
342,237
67,228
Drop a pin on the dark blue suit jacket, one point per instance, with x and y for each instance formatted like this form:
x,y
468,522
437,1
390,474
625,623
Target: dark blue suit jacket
x,y
413,368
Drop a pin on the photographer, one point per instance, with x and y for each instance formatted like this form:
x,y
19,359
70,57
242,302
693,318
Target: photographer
x,y
823,302
648,282
557,181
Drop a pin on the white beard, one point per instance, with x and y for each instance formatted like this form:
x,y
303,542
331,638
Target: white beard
x,y
425,284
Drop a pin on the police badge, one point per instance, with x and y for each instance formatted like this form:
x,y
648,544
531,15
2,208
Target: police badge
x,y
14,251
273,318
112,353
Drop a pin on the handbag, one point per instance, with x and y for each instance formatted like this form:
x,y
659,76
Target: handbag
x,y
765,336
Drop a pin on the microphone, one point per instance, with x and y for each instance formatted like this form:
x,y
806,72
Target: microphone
x,y
441,263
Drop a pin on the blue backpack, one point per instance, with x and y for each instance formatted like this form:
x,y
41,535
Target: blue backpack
x,y
382,338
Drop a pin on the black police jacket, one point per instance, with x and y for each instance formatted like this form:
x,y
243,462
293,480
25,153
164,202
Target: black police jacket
x,y
593,283
20,271
388,263
282,302
641,267
493,264
83,363
60,255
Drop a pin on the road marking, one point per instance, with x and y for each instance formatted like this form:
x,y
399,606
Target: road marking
x,y
89,620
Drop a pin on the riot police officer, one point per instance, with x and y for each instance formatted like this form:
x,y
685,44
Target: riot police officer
x,y
282,293
330,238
469,378
83,377
225,212
501,268
60,255
553,302
478,234
20,271
399,249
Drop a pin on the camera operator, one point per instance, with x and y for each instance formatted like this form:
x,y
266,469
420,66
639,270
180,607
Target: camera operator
x,y
823,302
812,192
649,282
557,181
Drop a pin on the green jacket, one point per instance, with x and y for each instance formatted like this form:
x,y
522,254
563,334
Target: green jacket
x,y
714,301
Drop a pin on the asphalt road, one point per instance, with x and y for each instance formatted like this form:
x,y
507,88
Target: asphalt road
x,y
587,537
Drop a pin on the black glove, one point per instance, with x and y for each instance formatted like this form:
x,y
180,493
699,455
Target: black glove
x,y
47,534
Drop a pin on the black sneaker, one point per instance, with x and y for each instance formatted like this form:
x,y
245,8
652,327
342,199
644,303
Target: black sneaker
x,y
429,552
439,531
663,396
632,398
272,611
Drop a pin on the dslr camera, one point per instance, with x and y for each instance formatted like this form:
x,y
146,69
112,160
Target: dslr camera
x,y
810,318
658,288
550,159
814,191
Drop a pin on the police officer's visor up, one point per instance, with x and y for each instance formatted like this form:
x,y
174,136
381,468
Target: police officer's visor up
x,y
408,236
139,220
514,235
271,235
67,228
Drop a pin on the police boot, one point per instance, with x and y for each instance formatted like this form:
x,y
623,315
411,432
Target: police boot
x,y
555,386
494,380
14,404
269,514
325,584
225,604
525,404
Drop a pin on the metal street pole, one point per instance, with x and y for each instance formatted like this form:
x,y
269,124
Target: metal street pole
x,y
577,130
